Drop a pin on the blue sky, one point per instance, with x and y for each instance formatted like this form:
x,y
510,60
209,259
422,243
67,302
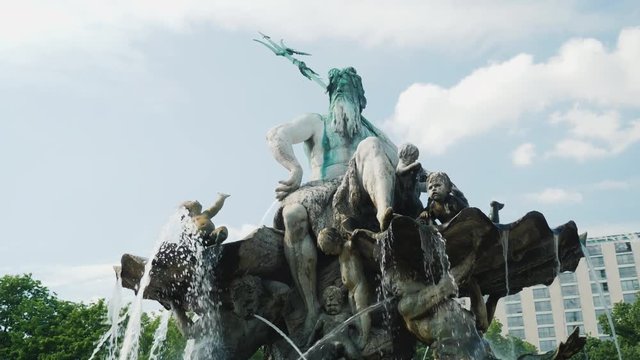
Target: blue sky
x,y
112,114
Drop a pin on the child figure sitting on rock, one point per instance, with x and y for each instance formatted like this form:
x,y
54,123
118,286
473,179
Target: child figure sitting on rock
x,y
445,200
410,183
332,317
331,242
202,220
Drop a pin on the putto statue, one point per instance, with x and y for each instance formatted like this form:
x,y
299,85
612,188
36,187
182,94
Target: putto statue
x,y
202,220
400,264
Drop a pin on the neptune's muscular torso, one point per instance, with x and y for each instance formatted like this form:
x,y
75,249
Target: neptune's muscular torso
x,y
329,154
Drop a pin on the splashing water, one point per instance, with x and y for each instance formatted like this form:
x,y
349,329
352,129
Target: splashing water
x,y
293,345
113,317
346,322
607,310
159,335
556,243
204,294
439,244
188,349
504,239
266,213
426,350
171,232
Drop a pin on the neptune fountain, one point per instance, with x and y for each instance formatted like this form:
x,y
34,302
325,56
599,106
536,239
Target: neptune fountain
x,y
355,266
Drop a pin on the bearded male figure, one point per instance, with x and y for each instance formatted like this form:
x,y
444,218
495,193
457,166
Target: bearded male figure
x,y
335,143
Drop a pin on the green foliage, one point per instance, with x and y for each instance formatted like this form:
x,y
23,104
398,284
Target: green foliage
x,y
626,321
420,353
35,324
509,347
258,355
174,343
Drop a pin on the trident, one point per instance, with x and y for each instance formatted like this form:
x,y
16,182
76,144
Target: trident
x,y
282,50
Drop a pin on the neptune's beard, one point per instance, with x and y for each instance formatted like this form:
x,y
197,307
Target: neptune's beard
x,y
345,118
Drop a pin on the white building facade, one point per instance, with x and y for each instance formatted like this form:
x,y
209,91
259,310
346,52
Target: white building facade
x,y
546,315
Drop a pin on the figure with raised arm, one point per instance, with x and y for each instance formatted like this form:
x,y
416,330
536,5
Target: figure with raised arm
x,y
204,227
341,142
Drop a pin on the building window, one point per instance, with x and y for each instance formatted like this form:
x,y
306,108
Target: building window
x,y
514,308
595,287
570,329
627,272
569,290
568,277
544,319
512,298
600,274
600,329
547,345
572,303
598,303
517,333
630,285
594,250
541,293
597,261
629,298
625,259
573,316
514,321
623,247
543,305
546,332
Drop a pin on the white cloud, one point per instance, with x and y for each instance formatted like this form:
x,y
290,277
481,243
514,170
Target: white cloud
x,y
578,150
523,155
72,282
101,24
555,196
611,185
589,127
434,118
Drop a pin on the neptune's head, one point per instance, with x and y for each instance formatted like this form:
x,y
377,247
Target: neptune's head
x,y
346,101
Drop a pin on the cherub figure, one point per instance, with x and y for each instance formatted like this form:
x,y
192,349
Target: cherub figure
x,y
411,181
445,200
332,317
202,220
352,272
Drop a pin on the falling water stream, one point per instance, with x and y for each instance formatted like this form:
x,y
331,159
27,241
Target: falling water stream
x,y
607,311
284,336
188,349
160,335
426,350
171,232
113,317
266,213
341,327
504,239
556,244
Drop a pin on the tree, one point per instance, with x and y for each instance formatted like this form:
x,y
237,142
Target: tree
x,y
34,324
626,321
174,343
509,347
